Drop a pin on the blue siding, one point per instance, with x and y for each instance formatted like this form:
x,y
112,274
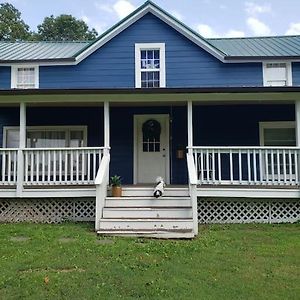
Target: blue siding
x,y
187,65
5,78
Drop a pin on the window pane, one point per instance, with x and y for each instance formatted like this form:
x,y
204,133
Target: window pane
x,y
280,137
12,138
76,139
46,139
25,78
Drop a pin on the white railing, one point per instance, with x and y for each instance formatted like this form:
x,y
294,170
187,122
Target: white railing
x,y
61,166
192,173
101,182
8,166
272,166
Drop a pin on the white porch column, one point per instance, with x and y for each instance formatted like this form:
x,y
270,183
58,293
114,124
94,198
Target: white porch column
x,y
106,125
22,145
297,118
190,125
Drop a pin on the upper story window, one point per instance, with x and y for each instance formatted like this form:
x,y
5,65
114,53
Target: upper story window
x,y
277,74
25,77
150,66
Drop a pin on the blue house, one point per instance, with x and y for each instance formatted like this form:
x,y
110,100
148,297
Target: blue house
x,y
218,119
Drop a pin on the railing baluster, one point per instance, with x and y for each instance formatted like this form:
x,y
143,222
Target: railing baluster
x,y
72,166
249,166
254,166
290,168
278,168
231,166
296,167
83,166
261,173
49,167
60,166
219,166
266,166
37,167
240,167
202,167
213,167
43,166
66,166
9,167
207,167
284,166
272,167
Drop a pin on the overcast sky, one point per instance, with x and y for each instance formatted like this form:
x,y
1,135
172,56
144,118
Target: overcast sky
x,y
211,18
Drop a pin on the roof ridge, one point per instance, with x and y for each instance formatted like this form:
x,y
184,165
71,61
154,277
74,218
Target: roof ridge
x,y
45,42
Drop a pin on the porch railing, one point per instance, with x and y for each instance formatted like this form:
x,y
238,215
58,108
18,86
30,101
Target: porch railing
x,y
8,166
265,166
55,166
61,166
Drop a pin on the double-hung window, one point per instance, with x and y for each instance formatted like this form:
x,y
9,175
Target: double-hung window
x,y
277,74
25,77
150,69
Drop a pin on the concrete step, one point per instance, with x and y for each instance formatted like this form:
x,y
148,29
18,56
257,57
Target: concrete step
x,y
146,224
161,234
147,213
148,202
148,191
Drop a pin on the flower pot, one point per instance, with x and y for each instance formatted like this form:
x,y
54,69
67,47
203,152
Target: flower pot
x,y
116,191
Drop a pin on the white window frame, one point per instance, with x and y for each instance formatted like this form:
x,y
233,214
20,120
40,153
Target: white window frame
x,y
273,125
162,70
65,128
289,73
14,75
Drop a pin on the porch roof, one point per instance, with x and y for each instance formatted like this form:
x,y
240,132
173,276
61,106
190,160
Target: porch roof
x,y
204,94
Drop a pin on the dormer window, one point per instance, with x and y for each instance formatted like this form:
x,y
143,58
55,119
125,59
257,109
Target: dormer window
x,y
150,69
277,74
25,77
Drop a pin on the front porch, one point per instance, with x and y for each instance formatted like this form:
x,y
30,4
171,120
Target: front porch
x,y
231,159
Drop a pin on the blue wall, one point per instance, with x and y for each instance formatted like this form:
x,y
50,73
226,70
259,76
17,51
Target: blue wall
x,y
187,65
5,78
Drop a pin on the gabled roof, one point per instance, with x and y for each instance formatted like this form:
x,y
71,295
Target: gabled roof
x,y
226,50
259,47
39,51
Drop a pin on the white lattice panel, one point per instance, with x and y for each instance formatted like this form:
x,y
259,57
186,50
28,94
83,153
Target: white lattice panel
x,y
220,210
47,210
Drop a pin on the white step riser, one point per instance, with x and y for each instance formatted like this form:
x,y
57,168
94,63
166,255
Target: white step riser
x,y
141,213
134,192
145,225
147,203
158,235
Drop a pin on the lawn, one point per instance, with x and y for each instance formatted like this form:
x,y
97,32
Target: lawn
x,y
225,262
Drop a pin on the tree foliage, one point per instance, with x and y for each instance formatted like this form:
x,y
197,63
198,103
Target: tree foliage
x,y
12,27
64,28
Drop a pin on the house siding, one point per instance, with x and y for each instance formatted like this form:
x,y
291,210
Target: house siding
x,y
187,65
5,78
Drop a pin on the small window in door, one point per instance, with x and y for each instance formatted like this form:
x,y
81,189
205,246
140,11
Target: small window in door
x,y
151,136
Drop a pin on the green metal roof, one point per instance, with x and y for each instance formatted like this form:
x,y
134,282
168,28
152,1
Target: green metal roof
x,y
263,47
39,51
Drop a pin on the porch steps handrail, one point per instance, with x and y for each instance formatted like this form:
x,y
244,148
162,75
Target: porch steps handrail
x,y
261,166
101,182
192,175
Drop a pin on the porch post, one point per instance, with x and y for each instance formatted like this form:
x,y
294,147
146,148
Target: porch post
x,y
106,126
190,126
22,145
297,118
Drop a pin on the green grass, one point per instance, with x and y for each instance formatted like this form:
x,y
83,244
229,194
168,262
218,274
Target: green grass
x,y
224,262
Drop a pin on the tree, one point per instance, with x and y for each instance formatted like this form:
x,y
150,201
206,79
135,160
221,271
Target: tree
x,y
12,27
64,28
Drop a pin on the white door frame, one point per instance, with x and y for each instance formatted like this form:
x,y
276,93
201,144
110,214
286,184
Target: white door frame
x,y
135,145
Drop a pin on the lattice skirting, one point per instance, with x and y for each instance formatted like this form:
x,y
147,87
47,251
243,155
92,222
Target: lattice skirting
x,y
225,210
47,210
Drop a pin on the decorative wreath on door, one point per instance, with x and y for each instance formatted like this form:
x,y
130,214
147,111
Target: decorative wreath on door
x,y
151,130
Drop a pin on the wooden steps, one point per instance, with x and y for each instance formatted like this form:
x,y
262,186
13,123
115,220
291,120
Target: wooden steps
x,y
138,213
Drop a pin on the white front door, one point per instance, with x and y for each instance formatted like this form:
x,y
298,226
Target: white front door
x,y
151,140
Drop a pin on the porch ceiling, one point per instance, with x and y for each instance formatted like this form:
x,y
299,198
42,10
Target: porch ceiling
x,y
179,96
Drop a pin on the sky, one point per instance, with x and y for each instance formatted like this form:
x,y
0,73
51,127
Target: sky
x,y
211,18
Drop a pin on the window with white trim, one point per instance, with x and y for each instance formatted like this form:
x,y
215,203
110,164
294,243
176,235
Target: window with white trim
x,y
277,74
25,77
150,66
277,134
47,137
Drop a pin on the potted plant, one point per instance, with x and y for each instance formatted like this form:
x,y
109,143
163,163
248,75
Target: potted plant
x,y
116,184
